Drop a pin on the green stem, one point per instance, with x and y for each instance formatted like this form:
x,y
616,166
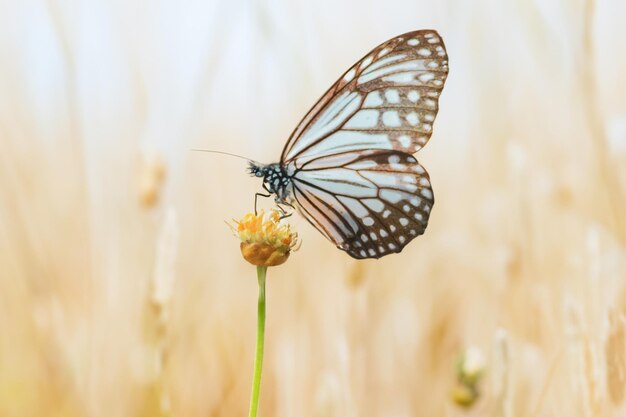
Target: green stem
x,y
260,336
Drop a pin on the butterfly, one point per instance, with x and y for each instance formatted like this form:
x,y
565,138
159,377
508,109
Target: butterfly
x,y
348,166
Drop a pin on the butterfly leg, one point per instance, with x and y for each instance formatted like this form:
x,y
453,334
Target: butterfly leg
x,y
256,197
283,212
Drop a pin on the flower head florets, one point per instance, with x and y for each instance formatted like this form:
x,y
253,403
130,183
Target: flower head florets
x,y
265,239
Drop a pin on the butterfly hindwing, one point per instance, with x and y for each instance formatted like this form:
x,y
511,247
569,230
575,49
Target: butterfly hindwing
x,y
368,203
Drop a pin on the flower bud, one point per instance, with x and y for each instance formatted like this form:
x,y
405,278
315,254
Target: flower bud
x,y
464,395
471,366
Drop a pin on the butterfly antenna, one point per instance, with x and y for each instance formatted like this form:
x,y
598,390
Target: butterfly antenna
x,y
226,153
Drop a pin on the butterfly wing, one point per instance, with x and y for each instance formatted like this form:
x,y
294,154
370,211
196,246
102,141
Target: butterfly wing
x,y
368,203
349,159
388,100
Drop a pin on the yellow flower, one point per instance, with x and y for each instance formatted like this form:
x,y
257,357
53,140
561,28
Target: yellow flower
x,y
265,240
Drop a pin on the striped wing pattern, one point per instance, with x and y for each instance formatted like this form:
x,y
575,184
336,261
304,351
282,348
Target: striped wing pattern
x,y
350,161
368,203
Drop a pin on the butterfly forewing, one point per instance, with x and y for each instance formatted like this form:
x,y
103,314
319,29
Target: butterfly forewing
x,y
369,203
387,101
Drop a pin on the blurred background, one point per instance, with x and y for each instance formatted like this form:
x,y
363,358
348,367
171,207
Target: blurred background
x,y
123,292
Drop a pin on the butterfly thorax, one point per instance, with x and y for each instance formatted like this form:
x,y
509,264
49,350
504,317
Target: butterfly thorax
x,y
275,179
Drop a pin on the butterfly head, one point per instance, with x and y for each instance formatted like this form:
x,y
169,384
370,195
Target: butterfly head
x,y
256,170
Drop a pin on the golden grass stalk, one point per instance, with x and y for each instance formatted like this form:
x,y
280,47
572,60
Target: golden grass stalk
x,y
502,375
151,177
157,401
586,372
615,355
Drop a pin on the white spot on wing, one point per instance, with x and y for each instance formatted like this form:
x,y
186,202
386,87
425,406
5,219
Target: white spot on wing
x,y
373,99
392,96
394,159
391,119
413,96
412,118
397,166
413,42
427,76
405,141
409,178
